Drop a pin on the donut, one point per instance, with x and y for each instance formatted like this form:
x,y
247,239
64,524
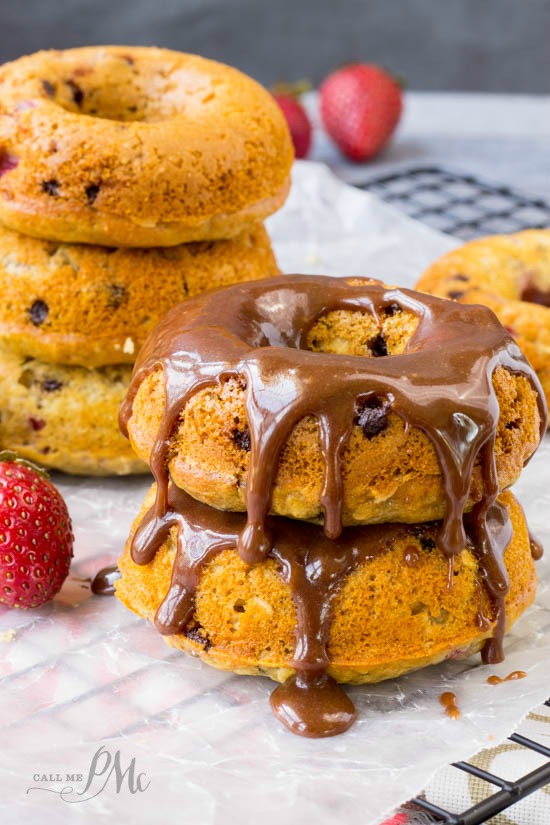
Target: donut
x,y
392,609
65,418
511,275
138,147
335,400
93,306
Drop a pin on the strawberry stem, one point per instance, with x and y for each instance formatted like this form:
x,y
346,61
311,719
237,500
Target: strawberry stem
x,y
296,89
11,457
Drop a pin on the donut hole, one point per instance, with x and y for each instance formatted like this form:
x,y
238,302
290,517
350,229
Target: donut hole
x,y
357,332
125,89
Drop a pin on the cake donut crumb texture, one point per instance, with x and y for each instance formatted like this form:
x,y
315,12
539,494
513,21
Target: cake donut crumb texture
x,y
393,613
137,146
93,306
65,418
511,275
390,469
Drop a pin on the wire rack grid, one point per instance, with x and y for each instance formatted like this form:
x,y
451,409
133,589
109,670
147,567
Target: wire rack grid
x,y
459,203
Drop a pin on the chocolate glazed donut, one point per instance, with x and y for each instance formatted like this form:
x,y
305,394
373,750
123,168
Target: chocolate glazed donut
x,y
441,384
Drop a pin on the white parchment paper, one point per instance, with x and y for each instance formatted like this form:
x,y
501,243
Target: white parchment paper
x,y
82,672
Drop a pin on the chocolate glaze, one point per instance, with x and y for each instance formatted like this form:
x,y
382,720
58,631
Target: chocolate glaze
x,y
314,567
411,557
313,706
448,701
441,384
537,550
103,583
498,680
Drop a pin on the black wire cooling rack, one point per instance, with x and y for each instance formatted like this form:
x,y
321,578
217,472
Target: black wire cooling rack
x,y
468,207
459,203
508,795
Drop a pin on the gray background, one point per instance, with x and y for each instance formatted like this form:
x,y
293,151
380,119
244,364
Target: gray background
x,y
485,45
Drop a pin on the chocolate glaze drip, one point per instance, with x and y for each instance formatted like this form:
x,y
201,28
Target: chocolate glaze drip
x,y
448,701
256,331
313,565
537,550
103,583
512,677
486,521
411,556
441,384
313,706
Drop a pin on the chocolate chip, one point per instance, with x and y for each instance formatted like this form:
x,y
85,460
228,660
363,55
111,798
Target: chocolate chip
x,y
117,295
37,423
51,187
38,312
372,415
378,346
456,295
48,87
419,531
194,633
76,92
92,191
460,277
51,384
393,309
7,162
242,439
427,543
534,295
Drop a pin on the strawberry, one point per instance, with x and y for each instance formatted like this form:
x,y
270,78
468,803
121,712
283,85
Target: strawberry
x,y
297,120
360,107
36,539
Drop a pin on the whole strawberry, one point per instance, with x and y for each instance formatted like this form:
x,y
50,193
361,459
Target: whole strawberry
x,y
360,107
36,539
297,120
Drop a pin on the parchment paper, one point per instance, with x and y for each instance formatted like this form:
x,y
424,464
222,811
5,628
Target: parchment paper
x,y
83,672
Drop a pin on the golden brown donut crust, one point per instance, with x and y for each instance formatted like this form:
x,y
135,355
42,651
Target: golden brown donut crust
x,y
136,146
93,305
65,418
388,618
392,476
496,271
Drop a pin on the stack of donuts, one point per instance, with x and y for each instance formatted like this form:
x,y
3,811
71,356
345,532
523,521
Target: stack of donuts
x,y
332,460
130,180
